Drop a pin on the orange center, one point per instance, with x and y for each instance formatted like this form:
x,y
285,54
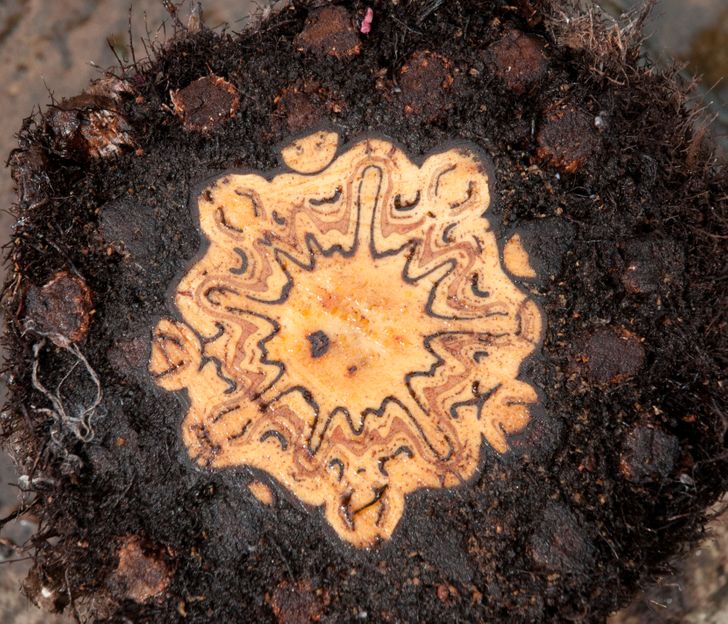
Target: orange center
x,y
351,330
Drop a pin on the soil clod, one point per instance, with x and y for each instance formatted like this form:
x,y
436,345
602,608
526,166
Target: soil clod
x,y
652,266
559,543
648,454
90,126
205,103
61,309
298,603
567,139
518,60
613,355
329,31
425,80
302,106
142,572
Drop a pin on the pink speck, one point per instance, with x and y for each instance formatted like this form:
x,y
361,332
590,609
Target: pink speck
x,y
366,24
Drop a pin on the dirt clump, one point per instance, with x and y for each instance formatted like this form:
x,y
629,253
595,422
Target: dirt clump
x,y
612,355
648,454
142,573
329,31
304,105
61,308
205,103
518,60
567,138
425,79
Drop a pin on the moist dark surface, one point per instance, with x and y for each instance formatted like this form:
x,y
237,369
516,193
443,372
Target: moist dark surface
x,y
623,209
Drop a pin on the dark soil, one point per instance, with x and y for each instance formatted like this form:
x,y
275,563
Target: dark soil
x,y
610,479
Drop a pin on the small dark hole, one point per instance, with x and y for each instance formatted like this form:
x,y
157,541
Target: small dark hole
x,y
319,343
